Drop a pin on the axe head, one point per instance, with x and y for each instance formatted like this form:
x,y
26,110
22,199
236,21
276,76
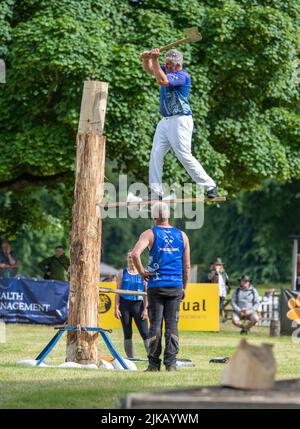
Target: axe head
x,y
193,34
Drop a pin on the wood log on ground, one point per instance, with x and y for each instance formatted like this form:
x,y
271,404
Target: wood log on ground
x,y
250,367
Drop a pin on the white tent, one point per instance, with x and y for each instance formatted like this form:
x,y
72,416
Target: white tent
x,y
107,270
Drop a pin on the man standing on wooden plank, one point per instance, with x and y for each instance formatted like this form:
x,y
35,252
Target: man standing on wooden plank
x,y
175,129
168,272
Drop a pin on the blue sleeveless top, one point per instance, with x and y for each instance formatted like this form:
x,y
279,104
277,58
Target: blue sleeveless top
x,y
132,282
166,258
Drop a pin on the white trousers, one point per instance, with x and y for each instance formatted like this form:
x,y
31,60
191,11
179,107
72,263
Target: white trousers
x,y
175,132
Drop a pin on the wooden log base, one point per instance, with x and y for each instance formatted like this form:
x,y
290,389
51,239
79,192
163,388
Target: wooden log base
x,y
87,224
251,367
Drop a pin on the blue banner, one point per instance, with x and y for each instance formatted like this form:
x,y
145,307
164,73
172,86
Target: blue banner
x,y
33,301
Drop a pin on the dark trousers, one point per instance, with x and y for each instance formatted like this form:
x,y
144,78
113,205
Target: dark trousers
x,y
222,303
133,310
163,305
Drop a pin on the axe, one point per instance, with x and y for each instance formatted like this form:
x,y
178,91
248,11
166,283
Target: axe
x,y
192,35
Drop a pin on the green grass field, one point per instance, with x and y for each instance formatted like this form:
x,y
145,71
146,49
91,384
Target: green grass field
x,y
27,387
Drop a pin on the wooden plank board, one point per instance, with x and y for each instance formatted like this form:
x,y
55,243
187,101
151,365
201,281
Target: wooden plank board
x,y
121,292
107,206
285,394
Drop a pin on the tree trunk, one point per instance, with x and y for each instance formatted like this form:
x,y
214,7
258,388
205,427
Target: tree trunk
x,y
86,225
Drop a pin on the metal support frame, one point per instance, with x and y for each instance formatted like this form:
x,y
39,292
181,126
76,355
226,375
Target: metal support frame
x,y
61,330
294,264
295,255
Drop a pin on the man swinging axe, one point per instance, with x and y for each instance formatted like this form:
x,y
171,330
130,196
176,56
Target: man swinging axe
x,y
175,129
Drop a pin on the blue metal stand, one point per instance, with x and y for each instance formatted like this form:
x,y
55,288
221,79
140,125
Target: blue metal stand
x,y
61,330
49,347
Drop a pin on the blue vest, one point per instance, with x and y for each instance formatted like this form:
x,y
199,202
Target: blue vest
x,y
174,98
166,258
132,282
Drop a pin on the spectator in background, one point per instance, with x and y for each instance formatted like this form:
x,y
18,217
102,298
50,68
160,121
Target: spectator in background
x,y
56,267
132,307
8,262
268,296
269,304
110,278
245,301
219,275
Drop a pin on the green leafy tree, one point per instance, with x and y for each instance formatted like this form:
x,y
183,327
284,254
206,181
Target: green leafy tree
x,y
244,74
41,221
251,233
245,91
6,10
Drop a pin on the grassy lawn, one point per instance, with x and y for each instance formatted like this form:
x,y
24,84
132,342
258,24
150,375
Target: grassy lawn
x,y
27,387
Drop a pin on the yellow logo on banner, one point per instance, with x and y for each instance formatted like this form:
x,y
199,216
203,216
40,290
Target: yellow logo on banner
x,y
198,312
104,303
294,312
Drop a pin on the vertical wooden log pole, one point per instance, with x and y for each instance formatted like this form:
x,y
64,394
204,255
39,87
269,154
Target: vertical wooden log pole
x,y
86,225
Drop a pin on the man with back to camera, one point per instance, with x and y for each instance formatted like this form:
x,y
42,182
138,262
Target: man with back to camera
x,y
175,129
167,273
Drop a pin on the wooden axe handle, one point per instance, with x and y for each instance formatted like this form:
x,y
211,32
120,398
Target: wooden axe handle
x,y
177,43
